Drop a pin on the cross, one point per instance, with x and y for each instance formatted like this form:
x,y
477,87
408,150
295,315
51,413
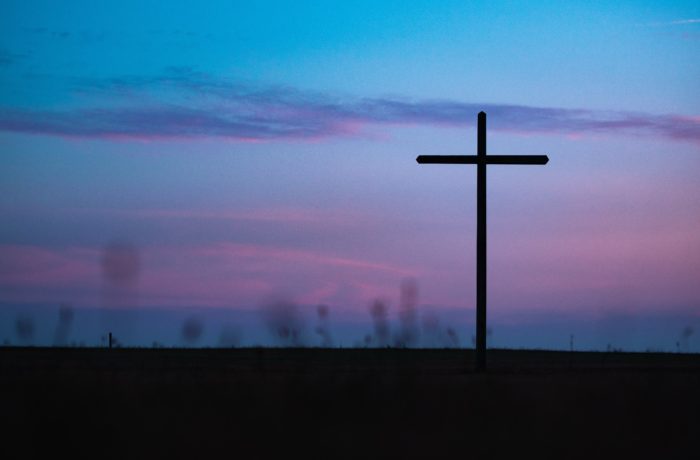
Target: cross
x,y
481,160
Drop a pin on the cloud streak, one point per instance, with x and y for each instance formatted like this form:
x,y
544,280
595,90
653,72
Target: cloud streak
x,y
183,104
219,273
678,22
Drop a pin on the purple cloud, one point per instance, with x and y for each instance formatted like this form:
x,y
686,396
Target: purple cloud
x,y
184,104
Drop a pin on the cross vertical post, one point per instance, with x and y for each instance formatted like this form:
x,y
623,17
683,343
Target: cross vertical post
x,y
481,243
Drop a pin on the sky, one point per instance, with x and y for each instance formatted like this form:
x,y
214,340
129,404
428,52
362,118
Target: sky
x,y
167,163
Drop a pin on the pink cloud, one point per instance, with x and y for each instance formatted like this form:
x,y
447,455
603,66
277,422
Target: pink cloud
x,y
241,274
223,274
34,266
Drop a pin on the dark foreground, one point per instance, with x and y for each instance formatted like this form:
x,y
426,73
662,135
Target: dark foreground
x,y
248,403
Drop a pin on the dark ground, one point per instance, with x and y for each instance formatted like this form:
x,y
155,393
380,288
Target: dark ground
x,y
358,403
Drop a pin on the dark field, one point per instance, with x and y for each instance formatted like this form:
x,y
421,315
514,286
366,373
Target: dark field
x,y
246,403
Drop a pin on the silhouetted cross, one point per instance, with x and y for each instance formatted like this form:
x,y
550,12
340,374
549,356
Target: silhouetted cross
x,y
481,160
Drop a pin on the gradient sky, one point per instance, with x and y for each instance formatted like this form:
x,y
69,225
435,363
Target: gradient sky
x,y
248,151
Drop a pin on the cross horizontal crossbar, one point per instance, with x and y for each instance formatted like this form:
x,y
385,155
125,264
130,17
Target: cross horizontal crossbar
x,y
490,159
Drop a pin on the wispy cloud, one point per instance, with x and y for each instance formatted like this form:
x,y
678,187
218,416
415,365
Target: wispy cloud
x,y
221,273
678,22
183,104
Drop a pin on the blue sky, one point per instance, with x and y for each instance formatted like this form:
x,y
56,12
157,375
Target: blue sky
x,y
245,150
536,53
